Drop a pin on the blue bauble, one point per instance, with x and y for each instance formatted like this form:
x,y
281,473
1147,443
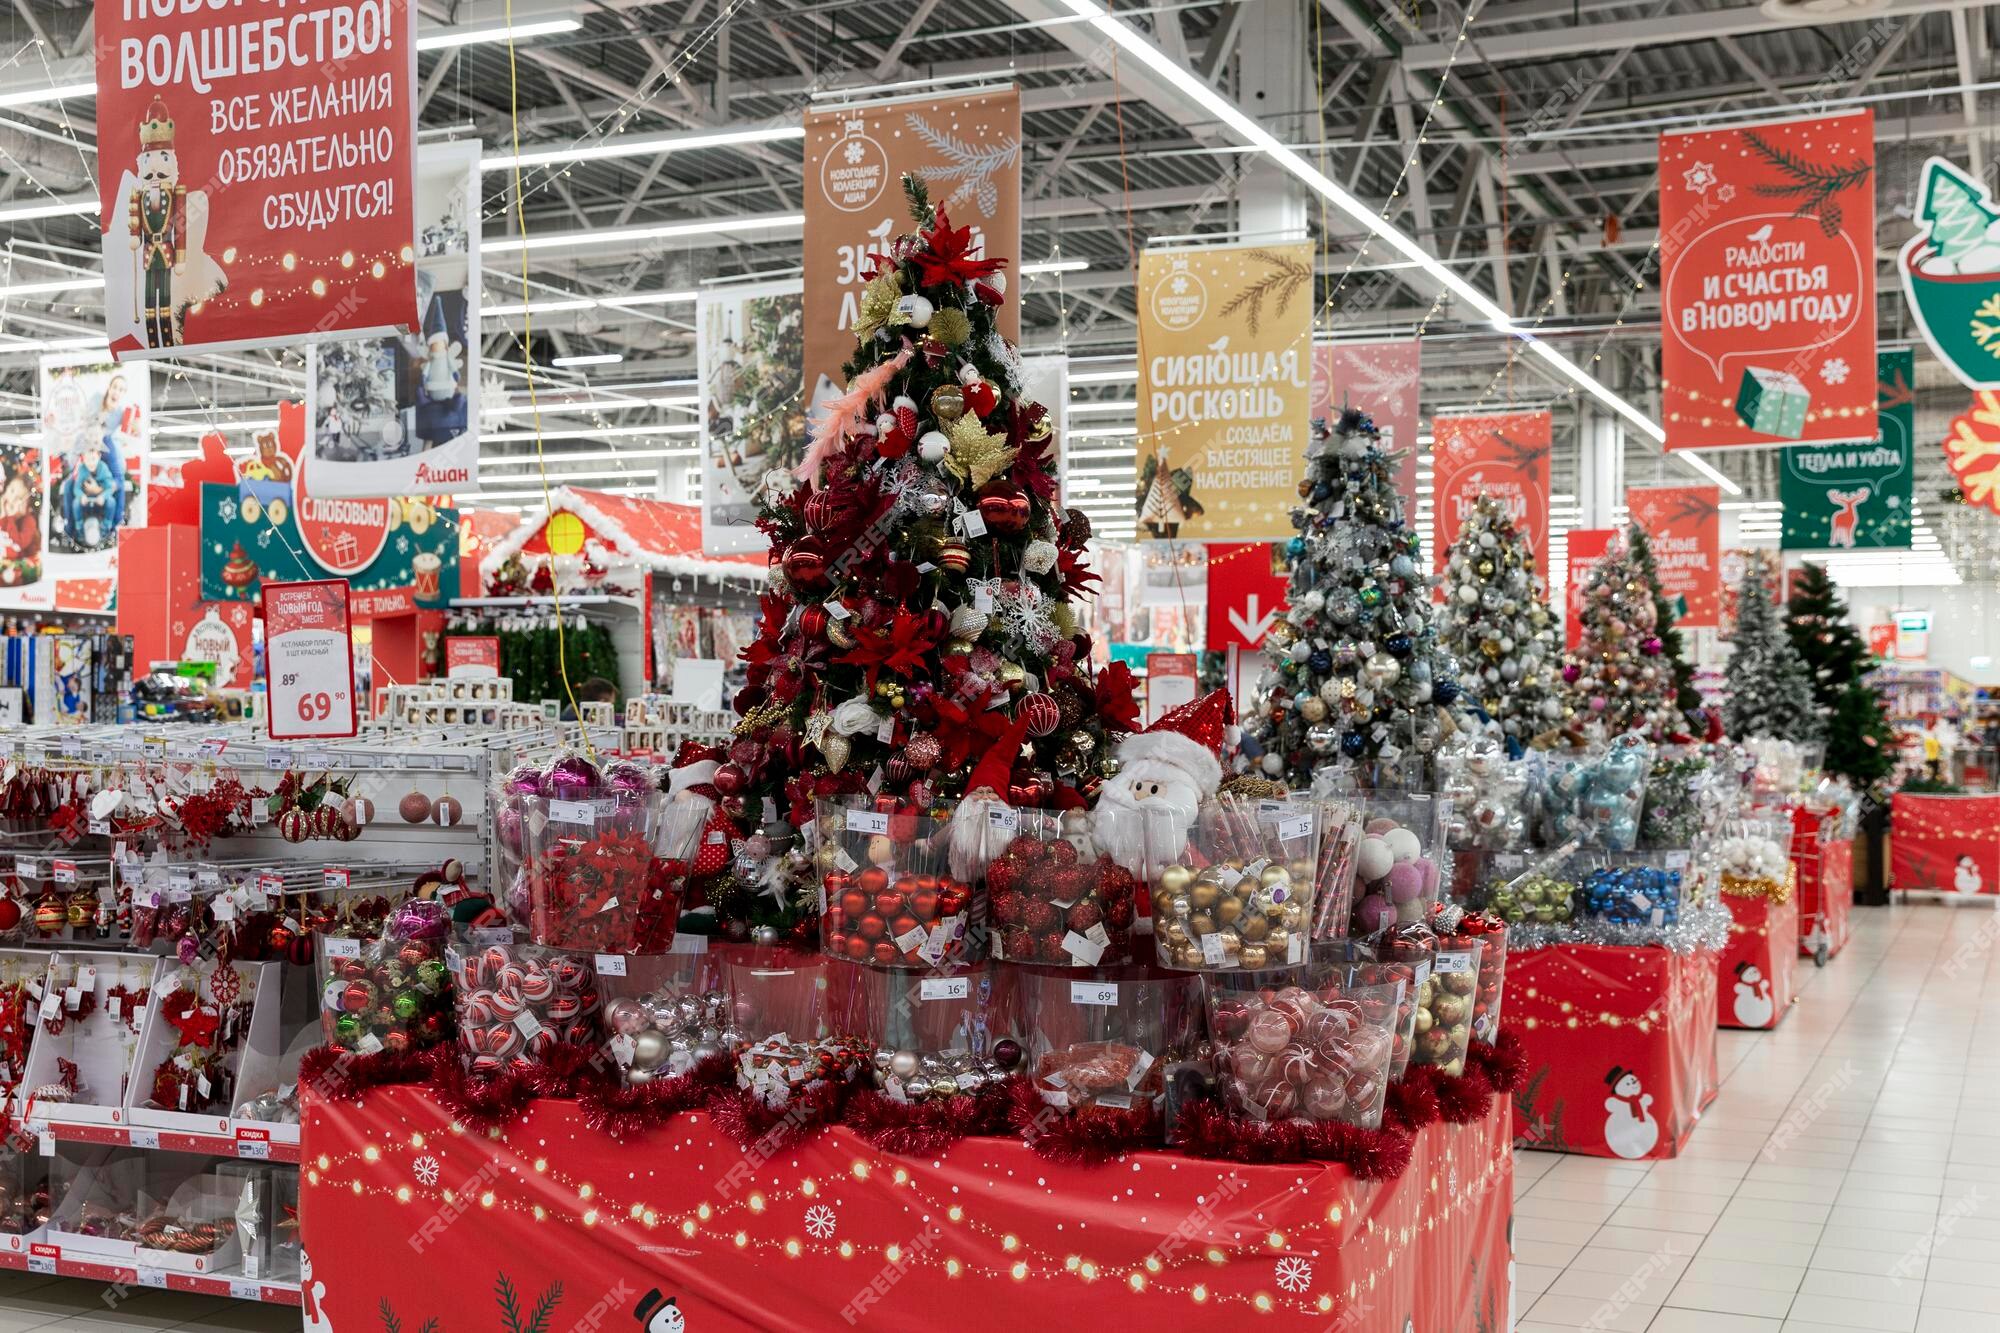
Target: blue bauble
x,y
1399,645
1443,692
1353,744
1321,661
1296,547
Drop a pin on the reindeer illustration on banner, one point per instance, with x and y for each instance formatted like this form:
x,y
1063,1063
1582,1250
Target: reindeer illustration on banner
x,y
1845,503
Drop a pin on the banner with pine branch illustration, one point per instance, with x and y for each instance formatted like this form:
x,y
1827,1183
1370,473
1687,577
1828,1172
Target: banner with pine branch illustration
x,y
1501,454
1225,382
1767,283
1685,525
965,147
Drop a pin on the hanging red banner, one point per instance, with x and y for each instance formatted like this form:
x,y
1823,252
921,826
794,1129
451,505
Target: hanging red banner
x,y
1502,454
1767,283
1379,378
256,174
1685,524
1247,582
1586,545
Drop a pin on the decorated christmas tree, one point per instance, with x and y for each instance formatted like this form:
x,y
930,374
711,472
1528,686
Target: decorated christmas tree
x,y
923,586
1860,743
1770,690
1816,619
1685,698
1355,670
1496,624
1619,678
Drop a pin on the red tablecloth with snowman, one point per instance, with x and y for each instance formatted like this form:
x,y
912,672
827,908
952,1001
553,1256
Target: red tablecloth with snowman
x,y
1753,975
407,1219
1621,1047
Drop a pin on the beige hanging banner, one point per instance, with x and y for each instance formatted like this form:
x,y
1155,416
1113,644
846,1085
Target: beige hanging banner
x,y
1225,388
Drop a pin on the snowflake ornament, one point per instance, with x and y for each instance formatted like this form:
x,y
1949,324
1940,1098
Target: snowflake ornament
x,y
820,1221
427,1170
1834,371
1293,1274
1699,177
227,509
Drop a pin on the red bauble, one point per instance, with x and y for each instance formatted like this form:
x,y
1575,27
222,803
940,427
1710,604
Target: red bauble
x,y
812,622
853,903
953,898
981,397
1041,712
293,825
872,927
885,952
805,563
447,812
903,925
1063,853
924,904
858,948
730,780
889,903
1051,949
1018,945
1083,916
1041,917
1004,507
10,912
415,808
873,879
1008,908
1002,875
356,996
1118,915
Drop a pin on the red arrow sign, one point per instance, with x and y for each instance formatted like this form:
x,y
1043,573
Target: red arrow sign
x,y
1246,593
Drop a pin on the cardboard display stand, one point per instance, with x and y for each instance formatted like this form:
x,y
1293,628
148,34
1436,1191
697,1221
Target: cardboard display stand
x,y
100,1044
260,984
1621,1047
1754,982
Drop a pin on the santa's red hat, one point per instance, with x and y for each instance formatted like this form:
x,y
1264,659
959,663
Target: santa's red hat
x,y
995,769
1189,737
694,768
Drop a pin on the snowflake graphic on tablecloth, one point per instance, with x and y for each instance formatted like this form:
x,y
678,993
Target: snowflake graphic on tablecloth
x,y
1699,177
427,1170
854,152
1834,371
227,509
1293,1274
1726,193
820,1221
264,538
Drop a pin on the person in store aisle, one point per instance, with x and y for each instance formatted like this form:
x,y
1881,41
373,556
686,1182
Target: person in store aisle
x,y
596,690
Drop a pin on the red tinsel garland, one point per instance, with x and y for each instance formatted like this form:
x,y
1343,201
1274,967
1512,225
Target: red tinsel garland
x,y
1207,1130
1412,1101
748,1120
627,1112
926,1129
1505,1062
1084,1137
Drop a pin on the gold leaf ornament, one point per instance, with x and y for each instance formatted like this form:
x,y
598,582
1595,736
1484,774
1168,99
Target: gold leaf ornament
x,y
878,305
950,327
977,454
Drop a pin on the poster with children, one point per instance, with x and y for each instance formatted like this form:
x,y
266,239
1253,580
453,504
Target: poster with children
x,y
20,515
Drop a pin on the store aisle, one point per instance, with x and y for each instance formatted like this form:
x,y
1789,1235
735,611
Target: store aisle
x,y
1847,1178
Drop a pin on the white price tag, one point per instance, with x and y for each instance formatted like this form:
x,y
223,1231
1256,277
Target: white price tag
x,y
1104,993
153,1277
334,878
1295,829
64,871
1453,964
1211,949
573,812
271,885
71,747
343,948
1423,973
48,1144
982,600
1659,917
317,759
1295,949
211,748
1085,950
911,938
308,661
613,964
145,1138
277,757
223,908
886,733
241,1290
867,821
100,827
529,1025
1677,860
256,1150
1003,818
42,1263
26,867
973,523
944,988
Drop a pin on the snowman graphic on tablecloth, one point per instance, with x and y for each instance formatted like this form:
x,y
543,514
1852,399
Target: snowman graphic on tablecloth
x,y
312,1296
1754,1006
657,1314
1967,879
1631,1131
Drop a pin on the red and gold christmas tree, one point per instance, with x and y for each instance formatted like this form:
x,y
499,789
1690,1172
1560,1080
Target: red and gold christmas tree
x,y
925,578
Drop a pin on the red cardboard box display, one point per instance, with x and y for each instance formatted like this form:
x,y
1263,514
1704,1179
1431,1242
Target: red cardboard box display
x,y
832,1231
1620,1044
1754,984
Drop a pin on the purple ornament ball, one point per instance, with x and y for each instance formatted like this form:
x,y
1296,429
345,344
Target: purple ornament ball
x,y
1571,672
524,780
511,828
1374,912
571,778
627,779
1405,882
421,919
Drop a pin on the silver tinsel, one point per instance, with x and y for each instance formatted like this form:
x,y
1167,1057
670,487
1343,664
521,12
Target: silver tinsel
x,y
1702,926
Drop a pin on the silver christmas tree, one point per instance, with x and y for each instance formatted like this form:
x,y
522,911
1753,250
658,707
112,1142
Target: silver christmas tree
x,y
1770,687
1496,623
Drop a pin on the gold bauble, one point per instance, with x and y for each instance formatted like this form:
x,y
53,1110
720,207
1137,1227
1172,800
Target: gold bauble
x,y
1255,956
1313,709
947,403
1200,924
1174,879
1203,895
1271,875
1228,910
1279,942
1253,927
835,749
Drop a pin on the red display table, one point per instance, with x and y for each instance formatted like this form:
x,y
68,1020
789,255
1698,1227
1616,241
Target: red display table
x,y
1753,976
1826,882
1620,1044
1945,844
407,1218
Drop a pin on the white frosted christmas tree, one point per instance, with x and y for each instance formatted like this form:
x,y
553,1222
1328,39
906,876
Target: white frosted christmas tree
x,y
1770,687
1496,623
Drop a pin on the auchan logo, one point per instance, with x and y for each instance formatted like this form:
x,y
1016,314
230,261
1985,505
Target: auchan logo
x,y
443,476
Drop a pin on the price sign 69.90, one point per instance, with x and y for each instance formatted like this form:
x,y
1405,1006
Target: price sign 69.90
x,y
309,659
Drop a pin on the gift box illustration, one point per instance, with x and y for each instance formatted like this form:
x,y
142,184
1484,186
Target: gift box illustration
x,y
1773,402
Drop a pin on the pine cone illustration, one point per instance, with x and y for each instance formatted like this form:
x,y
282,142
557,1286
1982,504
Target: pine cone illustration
x,y
1829,218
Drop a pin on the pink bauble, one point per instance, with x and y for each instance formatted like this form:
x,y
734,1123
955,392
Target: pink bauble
x,y
1373,913
1597,703
571,778
1323,1099
511,828
1430,873
1405,882
1269,1032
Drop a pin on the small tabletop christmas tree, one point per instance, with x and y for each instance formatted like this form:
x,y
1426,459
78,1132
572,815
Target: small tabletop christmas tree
x,y
1496,623
1619,677
1770,690
1355,670
1860,744
924,579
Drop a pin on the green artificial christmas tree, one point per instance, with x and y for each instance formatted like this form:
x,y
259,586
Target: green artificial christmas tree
x,y
1355,670
1496,625
1618,677
1770,690
1685,698
1833,649
1860,743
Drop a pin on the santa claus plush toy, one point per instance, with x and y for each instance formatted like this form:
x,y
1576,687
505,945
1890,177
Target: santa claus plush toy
x,y
1165,773
691,782
976,837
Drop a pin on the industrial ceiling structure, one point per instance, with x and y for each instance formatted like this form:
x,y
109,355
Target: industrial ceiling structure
x,y
1484,175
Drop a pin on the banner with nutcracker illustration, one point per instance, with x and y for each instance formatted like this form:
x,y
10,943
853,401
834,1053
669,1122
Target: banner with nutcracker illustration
x,y
1379,378
1225,389
966,149
272,525
1501,454
254,173
60,520
1767,282
1856,496
1951,272
398,414
1685,524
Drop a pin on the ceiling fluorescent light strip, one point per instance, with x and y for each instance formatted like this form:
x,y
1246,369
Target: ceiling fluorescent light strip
x,y
628,235
641,146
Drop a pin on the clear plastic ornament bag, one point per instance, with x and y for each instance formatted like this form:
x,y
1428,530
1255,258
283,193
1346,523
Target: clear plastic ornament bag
x,y
1304,1046
1238,892
1053,899
598,871
1398,862
1445,1001
1107,1042
1683,797
1594,797
1632,888
517,1002
1404,955
1341,825
890,897
930,1036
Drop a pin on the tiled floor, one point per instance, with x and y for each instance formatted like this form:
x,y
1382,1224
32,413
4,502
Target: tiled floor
x,y
1847,1178
30,1302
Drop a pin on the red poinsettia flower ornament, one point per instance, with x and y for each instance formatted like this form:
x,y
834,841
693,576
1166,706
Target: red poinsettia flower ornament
x,y
947,254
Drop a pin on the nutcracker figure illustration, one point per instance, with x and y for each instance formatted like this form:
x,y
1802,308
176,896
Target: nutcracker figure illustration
x,y
159,225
